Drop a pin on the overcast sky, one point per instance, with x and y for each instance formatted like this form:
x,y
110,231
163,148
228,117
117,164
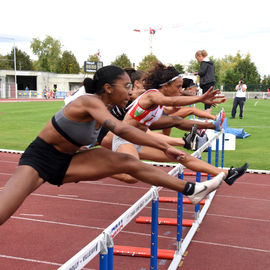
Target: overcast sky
x,y
85,26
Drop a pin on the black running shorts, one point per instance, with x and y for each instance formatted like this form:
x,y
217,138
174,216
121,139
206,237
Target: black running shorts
x,y
50,164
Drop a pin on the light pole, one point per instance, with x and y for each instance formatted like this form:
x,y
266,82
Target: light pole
x,y
14,53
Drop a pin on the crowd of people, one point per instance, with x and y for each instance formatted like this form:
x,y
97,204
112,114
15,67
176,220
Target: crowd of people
x,y
119,109
48,94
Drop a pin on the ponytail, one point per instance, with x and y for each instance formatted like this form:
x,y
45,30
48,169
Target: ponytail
x,y
88,85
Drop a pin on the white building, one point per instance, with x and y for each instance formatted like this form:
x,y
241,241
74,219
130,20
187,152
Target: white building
x,y
33,83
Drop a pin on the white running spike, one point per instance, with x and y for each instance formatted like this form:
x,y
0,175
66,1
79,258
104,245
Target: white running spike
x,y
204,188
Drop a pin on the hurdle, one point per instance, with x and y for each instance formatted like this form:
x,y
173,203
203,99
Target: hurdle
x,y
180,222
103,244
199,214
187,222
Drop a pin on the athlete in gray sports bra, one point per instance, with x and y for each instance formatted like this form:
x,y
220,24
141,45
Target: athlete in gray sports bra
x,y
78,133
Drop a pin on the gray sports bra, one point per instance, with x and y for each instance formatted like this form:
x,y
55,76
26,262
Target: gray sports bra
x,y
78,133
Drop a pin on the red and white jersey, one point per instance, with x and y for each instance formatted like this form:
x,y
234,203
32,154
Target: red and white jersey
x,y
144,116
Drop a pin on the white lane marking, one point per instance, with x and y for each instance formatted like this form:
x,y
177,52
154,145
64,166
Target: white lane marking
x,y
231,246
68,195
32,260
32,215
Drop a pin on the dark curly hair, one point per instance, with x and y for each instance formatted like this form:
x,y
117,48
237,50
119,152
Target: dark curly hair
x,y
159,75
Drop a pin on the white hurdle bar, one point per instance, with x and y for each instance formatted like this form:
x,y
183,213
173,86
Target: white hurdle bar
x,y
78,260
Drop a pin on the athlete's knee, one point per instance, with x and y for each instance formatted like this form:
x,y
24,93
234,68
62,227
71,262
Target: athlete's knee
x,y
125,160
129,165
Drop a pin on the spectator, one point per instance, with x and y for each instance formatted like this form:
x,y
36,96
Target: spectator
x,y
206,73
239,99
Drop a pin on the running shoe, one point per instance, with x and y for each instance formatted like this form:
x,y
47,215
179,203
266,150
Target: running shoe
x,y
220,119
190,138
235,173
204,188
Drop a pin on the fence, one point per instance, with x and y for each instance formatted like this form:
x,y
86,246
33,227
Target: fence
x,y
103,244
250,95
34,94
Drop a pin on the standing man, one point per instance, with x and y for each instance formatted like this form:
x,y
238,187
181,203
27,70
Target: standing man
x,y
240,98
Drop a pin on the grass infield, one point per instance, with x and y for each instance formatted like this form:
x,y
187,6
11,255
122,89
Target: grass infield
x,y
22,121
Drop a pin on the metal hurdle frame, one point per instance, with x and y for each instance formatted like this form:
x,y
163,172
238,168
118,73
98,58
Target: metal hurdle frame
x,y
199,214
103,244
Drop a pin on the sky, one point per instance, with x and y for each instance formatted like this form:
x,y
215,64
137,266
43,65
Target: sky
x,y
85,27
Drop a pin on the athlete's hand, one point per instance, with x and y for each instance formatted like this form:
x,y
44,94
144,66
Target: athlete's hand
x,y
175,154
212,97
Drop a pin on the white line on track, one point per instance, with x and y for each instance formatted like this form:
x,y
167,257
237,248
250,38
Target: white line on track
x,y
113,185
32,260
6,161
79,199
231,246
243,198
32,215
9,174
68,195
58,223
28,260
242,218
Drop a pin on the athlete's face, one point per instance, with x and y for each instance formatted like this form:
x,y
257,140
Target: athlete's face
x,y
175,88
121,91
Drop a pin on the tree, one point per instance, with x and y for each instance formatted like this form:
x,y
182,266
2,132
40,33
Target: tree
x,y
221,67
94,57
23,61
193,66
48,52
265,84
241,67
148,62
122,61
68,64
4,62
179,68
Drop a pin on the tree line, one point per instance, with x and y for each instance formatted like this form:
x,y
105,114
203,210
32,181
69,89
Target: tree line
x,y
51,58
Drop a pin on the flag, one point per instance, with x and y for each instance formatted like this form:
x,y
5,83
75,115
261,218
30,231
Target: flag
x,y
152,31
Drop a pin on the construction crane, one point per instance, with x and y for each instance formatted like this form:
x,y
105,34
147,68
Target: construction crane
x,y
151,31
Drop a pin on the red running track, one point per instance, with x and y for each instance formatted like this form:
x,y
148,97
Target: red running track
x,y
54,223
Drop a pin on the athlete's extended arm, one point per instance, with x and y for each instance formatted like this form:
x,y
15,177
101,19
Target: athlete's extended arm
x,y
100,113
210,97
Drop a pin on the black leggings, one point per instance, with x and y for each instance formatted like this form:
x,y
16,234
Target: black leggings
x,y
205,88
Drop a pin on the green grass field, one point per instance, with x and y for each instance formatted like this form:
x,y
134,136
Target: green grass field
x,y
22,121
